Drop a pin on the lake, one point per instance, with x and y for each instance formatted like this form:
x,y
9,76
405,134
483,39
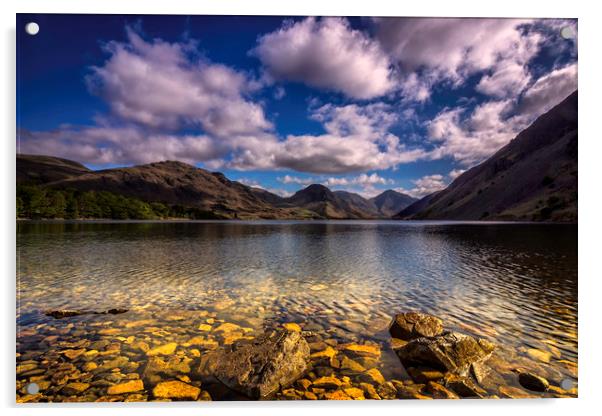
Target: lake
x,y
514,284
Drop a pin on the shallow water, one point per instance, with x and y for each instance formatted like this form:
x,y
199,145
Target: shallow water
x,y
514,284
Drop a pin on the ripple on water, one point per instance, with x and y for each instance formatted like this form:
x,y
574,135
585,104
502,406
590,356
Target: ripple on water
x,y
513,284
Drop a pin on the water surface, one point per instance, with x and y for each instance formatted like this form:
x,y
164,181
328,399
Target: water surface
x,y
513,283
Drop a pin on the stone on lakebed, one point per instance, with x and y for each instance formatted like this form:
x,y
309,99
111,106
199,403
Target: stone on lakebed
x,y
260,367
411,325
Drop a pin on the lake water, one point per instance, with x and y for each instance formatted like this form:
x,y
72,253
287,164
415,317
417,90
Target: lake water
x,y
514,284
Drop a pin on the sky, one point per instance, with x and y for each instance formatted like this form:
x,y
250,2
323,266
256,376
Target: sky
x,y
357,104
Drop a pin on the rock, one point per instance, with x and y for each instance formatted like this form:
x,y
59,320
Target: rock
x,y
89,366
64,313
327,382
127,387
208,344
308,395
75,388
397,343
291,326
351,365
369,391
372,376
176,390
114,363
25,367
410,325
480,371
543,356
533,382
115,311
337,395
166,349
510,392
464,386
355,393
291,394
262,366
73,354
387,391
452,351
366,350
228,327
423,375
204,327
328,352
413,391
440,392
304,384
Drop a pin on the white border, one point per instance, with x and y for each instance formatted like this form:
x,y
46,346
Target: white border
x,y
590,207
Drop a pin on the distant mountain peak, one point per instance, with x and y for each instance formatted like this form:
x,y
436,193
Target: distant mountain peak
x,y
390,202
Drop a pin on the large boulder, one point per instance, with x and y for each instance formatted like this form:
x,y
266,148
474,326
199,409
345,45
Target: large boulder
x,y
412,325
450,352
264,365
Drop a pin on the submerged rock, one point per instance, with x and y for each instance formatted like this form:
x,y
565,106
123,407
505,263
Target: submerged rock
x,y
451,352
176,390
261,367
411,325
127,387
533,382
166,349
66,313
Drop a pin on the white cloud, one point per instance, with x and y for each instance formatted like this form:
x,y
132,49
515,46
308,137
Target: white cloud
x,y
476,136
507,79
424,186
286,179
356,140
119,145
453,174
158,84
431,50
327,53
361,180
549,90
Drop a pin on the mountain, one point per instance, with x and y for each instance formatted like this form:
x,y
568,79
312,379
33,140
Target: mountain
x,y
391,202
44,169
534,177
329,204
173,183
416,207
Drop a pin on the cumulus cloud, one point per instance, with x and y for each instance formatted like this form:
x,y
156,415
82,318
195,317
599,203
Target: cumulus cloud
x,y
119,145
549,90
356,139
471,136
327,53
425,185
453,174
431,50
162,85
288,179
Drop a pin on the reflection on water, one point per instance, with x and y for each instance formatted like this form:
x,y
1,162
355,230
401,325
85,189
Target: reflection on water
x,y
515,284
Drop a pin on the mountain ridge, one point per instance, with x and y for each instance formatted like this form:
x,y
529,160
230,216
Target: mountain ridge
x,y
533,177
178,183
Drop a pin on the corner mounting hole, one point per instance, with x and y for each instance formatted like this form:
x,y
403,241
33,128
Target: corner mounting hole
x,y
567,32
32,28
33,388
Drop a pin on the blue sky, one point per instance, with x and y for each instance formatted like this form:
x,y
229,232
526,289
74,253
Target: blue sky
x,y
359,104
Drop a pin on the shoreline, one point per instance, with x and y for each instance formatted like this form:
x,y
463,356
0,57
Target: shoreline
x,y
290,220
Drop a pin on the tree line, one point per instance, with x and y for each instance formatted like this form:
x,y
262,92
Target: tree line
x,y
37,202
